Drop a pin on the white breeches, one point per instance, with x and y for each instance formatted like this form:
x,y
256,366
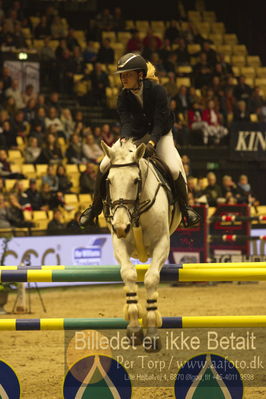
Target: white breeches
x,y
166,151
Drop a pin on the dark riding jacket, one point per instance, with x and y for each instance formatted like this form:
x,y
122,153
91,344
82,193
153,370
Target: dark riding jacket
x,y
155,117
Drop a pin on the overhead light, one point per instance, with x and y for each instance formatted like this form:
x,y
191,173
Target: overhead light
x,y
22,56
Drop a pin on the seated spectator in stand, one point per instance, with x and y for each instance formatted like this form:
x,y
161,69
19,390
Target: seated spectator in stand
x,y
51,152
262,112
241,112
40,117
71,40
172,33
194,96
32,150
228,187
56,225
74,223
104,20
118,22
6,78
42,30
214,119
164,50
5,170
135,43
230,101
213,190
64,184
256,100
34,196
58,28
226,67
87,179
158,63
242,91
15,212
38,132
19,124
5,220
99,82
21,195
202,72
74,151
171,63
181,132
183,56
51,178
244,192
107,135
10,105
53,120
182,99
54,101
211,54
91,150
9,136
15,92
67,122
30,111
151,40
106,54
171,86
89,53
29,93
197,124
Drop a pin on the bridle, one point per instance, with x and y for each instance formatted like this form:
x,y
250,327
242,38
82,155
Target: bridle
x,y
110,207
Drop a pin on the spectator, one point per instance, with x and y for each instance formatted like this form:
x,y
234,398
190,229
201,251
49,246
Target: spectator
x,y
56,225
134,44
106,54
10,105
74,151
183,56
118,22
51,152
262,112
226,67
67,122
242,91
15,213
256,100
87,179
91,150
54,101
89,52
165,50
52,120
244,191
32,151
51,178
47,64
42,30
202,72
107,135
229,188
213,190
30,110
211,55
46,196
37,131
9,135
74,223
104,20
152,41
71,40
171,63
64,184
182,99
197,124
58,28
171,86
172,33
34,196
5,170
6,78
2,92
214,121
241,113
29,94
15,92
60,50
5,220
21,195
99,82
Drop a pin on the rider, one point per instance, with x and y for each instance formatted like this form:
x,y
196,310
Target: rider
x,y
143,108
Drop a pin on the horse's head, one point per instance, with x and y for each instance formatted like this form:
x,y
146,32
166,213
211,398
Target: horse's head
x,y
123,184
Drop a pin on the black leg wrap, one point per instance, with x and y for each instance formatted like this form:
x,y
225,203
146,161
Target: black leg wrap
x,y
131,294
151,308
151,300
130,301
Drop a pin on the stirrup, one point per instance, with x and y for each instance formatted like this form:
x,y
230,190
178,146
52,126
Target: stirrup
x,y
190,217
88,218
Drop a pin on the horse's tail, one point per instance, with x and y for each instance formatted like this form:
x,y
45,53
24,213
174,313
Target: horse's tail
x,y
151,72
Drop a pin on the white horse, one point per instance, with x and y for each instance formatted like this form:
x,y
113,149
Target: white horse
x,y
137,206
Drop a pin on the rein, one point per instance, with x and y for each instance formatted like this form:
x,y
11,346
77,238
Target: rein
x,y
110,207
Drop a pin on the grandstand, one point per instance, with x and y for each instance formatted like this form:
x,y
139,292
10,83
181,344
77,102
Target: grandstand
x,y
197,59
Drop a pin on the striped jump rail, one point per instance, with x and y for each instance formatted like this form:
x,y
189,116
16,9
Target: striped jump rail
x,y
117,323
236,218
234,237
169,274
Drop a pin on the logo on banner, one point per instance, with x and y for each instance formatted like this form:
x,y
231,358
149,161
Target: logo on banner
x,y
208,376
89,255
97,377
9,384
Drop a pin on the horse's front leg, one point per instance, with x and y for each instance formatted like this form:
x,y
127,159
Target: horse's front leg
x,y
153,318
132,309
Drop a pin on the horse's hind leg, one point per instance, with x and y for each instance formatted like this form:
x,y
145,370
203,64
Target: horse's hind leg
x,y
132,309
153,319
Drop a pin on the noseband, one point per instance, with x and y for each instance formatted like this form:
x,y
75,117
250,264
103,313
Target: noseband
x,y
110,207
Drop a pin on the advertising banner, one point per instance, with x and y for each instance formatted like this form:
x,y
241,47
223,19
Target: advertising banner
x,y
248,141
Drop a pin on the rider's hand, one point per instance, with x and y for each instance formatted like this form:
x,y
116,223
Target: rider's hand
x,y
150,150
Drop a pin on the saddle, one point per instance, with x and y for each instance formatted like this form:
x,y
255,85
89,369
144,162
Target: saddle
x,y
165,177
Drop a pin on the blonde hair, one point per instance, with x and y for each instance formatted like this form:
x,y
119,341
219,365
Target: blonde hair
x,y
151,71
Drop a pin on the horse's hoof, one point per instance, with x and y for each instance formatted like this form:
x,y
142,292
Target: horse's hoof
x,y
135,335
152,341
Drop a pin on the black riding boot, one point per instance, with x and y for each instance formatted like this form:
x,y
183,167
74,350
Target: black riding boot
x,y
189,215
89,216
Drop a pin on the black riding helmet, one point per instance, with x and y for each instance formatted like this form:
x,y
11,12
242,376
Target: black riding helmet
x,y
131,62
